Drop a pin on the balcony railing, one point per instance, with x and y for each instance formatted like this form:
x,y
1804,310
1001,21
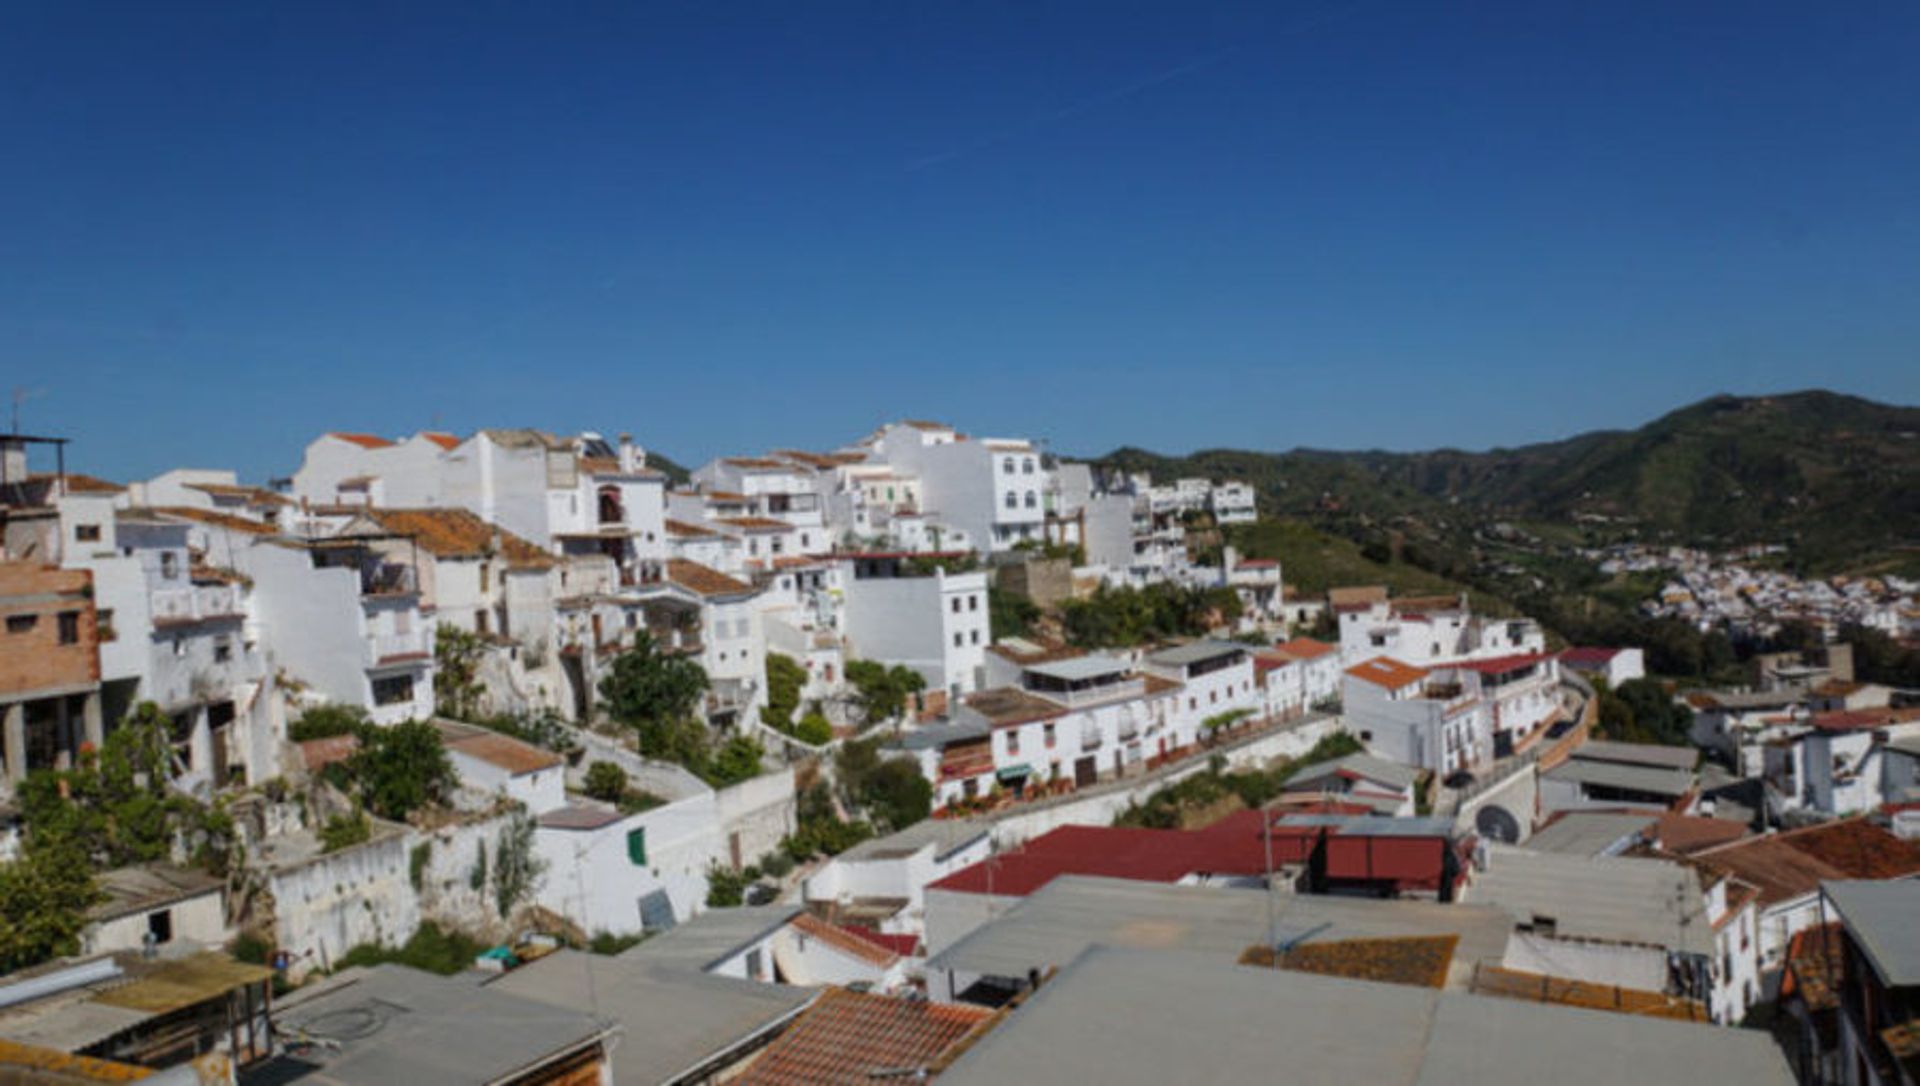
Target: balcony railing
x,y
388,579
387,648
171,605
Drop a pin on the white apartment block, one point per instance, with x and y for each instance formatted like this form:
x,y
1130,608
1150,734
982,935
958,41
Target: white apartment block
x,y
1426,630
993,489
927,619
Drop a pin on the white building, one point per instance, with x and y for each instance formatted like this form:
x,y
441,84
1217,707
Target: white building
x,y
903,609
346,622
993,489
1425,630
1233,503
1427,718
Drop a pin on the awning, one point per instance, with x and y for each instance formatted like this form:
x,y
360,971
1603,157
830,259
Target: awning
x,y
1013,772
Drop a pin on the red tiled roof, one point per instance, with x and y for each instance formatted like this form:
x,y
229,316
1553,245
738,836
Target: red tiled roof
x,y
1856,720
1235,845
704,580
1587,657
1788,865
446,532
365,441
906,946
844,941
1305,648
1500,665
1691,833
1265,662
217,520
689,530
445,441
80,484
757,524
502,751
1258,563
850,1038
1385,671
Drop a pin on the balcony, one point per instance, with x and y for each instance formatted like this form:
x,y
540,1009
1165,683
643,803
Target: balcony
x,y
384,650
179,606
388,579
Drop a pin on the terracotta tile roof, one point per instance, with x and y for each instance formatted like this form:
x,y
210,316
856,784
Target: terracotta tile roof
x,y
257,495
1305,648
1856,720
1587,657
1500,665
1691,833
819,460
1418,960
1270,661
725,497
704,580
500,751
1006,706
365,441
1788,865
689,530
1514,984
1258,563
217,520
1385,671
78,483
844,941
1358,597
905,946
757,463
757,524
446,532
1815,960
850,1038
445,441
1158,685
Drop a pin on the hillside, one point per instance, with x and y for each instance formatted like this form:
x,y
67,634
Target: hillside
x,y
1836,476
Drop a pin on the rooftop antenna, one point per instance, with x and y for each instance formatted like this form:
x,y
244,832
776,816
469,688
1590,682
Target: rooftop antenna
x,y
21,394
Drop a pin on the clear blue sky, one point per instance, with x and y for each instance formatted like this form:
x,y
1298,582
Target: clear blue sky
x,y
733,226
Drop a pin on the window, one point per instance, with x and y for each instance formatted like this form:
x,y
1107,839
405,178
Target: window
x,y
179,646
973,603
958,639
1013,742
222,650
956,605
160,927
756,965
19,624
1033,500
1026,467
169,565
393,690
86,533
633,620
1007,465
1048,735
1013,500
637,846
103,626
975,637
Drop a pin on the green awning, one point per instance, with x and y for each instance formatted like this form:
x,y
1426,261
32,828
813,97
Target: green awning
x,y
1012,772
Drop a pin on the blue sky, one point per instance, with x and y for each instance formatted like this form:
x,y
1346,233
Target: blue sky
x,y
734,226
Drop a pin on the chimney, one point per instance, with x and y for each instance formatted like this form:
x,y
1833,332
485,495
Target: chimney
x,y
632,457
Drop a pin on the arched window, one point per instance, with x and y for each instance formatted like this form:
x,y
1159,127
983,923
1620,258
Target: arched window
x,y
1007,465
1026,466
1033,500
1013,500
610,511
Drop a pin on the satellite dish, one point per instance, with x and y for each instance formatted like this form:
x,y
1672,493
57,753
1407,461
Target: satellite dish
x,y
1497,824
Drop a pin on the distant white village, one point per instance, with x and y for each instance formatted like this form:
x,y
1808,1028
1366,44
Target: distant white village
x,y
1727,591
745,778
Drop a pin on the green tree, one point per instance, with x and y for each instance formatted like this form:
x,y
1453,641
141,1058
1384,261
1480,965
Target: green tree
x,y
44,897
457,689
1657,717
785,679
517,869
881,691
815,729
656,694
606,781
738,759
892,791
327,721
1010,614
401,769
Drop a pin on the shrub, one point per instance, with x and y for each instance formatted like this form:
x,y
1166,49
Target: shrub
x,y
345,831
606,781
327,721
814,729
